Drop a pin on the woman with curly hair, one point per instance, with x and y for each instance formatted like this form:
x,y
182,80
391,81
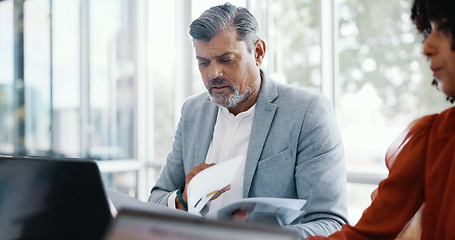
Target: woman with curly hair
x,y
422,160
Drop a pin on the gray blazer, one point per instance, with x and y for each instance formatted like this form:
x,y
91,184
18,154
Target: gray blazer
x,y
295,151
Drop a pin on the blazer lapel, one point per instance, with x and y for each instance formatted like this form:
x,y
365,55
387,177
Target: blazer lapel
x,y
205,129
263,117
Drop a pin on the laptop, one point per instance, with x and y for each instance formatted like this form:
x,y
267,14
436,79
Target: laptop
x,y
42,198
133,224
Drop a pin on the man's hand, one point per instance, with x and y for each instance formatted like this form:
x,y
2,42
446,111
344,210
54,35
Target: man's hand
x,y
190,176
217,194
240,216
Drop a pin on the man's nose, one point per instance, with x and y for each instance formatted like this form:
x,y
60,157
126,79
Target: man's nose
x,y
215,71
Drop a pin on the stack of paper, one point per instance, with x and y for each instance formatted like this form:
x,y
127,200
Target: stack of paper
x,y
263,209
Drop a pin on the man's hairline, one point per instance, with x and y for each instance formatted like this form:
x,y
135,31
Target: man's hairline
x,y
238,38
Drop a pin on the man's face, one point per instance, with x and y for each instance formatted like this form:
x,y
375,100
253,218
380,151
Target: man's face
x,y
229,71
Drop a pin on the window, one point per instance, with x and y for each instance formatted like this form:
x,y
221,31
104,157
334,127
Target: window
x,y
292,33
382,76
37,70
379,74
111,74
162,74
105,79
66,75
6,77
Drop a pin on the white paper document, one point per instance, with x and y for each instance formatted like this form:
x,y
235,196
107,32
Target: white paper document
x,y
209,181
263,209
118,201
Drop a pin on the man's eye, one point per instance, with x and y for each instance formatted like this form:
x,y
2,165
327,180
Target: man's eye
x,y
203,63
226,60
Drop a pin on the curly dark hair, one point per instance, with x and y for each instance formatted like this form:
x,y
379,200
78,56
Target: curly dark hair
x,y
441,11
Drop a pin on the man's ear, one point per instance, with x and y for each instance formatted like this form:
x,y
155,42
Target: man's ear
x,y
259,51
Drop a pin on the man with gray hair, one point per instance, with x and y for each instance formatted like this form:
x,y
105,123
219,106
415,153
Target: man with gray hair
x,y
289,137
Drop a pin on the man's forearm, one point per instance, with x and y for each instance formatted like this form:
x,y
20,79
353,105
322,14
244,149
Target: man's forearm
x,y
323,227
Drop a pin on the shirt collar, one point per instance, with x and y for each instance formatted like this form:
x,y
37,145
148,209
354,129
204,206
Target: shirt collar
x,y
225,112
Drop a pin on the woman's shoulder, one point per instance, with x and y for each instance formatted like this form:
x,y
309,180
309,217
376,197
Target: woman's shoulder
x,y
414,137
438,122
443,124
421,124
420,131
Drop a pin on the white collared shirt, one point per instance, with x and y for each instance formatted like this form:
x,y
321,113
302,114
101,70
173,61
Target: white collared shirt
x,y
231,136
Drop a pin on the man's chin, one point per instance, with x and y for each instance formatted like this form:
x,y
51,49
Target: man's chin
x,y
223,104
226,101
219,99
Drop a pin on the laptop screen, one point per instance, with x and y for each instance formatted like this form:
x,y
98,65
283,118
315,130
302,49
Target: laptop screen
x,y
132,224
51,199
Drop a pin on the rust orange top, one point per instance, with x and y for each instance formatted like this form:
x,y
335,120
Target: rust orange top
x,y
422,171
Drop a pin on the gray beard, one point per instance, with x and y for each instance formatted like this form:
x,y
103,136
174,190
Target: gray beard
x,y
233,99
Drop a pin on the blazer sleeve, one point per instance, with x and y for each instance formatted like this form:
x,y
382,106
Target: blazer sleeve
x,y
320,172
